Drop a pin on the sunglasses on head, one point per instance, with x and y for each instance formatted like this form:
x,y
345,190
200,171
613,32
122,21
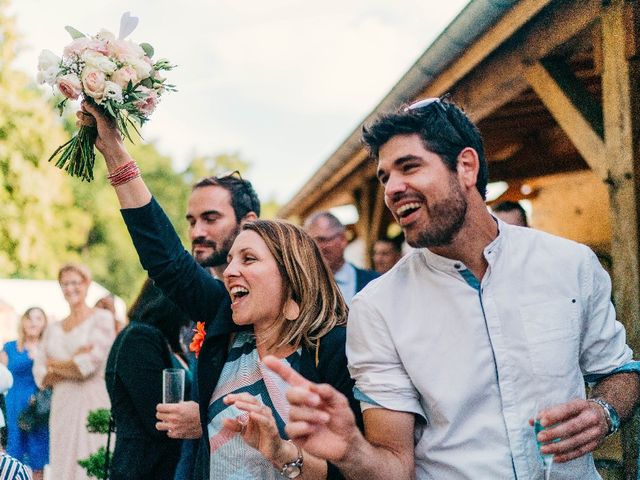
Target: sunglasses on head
x,y
426,103
235,175
229,174
439,104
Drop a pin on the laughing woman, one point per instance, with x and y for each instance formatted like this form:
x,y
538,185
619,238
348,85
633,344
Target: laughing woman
x,y
278,298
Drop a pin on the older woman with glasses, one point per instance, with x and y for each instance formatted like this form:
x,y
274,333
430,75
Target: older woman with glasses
x,y
278,298
71,360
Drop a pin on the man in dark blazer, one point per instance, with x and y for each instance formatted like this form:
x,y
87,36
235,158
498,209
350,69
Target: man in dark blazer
x,y
330,236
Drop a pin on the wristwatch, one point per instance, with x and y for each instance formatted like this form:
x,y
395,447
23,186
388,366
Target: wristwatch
x,y
293,469
612,417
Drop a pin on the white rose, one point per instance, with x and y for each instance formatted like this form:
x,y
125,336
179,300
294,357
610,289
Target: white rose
x,y
142,68
105,35
99,61
113,91
48,67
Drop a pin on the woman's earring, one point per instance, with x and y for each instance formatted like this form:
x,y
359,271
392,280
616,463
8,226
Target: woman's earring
x,y
291,310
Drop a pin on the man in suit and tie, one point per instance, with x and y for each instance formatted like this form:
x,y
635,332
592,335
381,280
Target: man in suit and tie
x,y
330,236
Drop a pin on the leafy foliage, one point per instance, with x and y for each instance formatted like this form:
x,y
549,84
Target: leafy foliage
x,y
47,218
98,420
32,198
94,464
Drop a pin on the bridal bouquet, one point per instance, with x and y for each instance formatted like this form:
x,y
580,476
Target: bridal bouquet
x,y
117,75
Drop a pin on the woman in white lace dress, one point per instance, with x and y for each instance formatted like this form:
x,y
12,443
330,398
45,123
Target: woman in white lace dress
x,y
71,359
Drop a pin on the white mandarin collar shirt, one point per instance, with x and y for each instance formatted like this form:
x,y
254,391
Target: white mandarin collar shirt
x,y
470,359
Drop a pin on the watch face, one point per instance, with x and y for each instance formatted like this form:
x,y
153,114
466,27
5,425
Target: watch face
x,y
291,471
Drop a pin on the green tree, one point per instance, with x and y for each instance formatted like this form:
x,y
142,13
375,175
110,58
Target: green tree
x,y
205,166
33,196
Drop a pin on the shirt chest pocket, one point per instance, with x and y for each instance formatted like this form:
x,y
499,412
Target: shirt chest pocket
x,y
551,330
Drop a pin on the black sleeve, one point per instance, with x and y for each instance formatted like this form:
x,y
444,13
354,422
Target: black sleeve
x,y
141,359
169,265
332,368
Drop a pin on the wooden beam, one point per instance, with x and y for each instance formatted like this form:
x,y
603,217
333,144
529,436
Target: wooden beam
x,y
378,214
620,83
365,207
570,104
513,20
501,78
621,106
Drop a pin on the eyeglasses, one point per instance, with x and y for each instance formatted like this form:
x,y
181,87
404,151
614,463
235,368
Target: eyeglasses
x,y
330,238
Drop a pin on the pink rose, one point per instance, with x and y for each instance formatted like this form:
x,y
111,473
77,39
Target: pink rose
x,y
79,45
148,103
93,81
124,48
70,86
123,75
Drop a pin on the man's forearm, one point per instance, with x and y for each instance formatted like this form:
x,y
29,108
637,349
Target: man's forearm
x,y
622,391
364,460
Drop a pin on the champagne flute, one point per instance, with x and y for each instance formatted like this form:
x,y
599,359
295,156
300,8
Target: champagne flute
x,y
172,385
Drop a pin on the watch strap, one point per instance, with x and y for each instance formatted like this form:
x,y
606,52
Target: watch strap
x,y
293,469
610,413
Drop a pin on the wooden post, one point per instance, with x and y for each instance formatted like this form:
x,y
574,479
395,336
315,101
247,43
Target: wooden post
x,y
621,109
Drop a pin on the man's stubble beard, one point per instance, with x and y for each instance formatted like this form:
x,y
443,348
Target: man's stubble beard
x,y
219,255
446,218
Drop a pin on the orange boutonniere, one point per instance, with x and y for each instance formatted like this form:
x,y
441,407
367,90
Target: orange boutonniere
x,y
198,338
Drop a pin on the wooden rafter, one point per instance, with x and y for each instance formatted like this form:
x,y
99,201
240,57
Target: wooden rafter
x,y
621,106
573,108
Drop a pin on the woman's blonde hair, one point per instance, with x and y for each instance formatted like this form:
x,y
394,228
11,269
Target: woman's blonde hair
x,y
78,268
307,280
22,337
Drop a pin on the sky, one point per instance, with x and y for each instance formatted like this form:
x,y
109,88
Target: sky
x,y
281,82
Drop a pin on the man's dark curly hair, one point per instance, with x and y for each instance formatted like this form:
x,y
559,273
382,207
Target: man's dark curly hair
x,y
443,127
244,198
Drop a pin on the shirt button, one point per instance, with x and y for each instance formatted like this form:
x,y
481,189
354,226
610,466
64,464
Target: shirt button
x,y
457,266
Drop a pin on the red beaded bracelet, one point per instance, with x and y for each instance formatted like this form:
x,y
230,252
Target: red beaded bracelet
x,y
124,173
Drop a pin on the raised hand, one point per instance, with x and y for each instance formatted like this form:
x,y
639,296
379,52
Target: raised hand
x,y
109,141
258,428
320,419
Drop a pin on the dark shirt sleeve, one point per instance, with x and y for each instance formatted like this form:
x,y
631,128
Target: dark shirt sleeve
x,y
332,367
141,359
169,265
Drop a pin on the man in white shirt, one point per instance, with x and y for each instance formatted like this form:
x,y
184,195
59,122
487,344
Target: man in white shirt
x,y
330,236
483,328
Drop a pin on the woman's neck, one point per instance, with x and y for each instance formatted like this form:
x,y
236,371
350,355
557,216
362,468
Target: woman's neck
x,y
28,341
78,313
267,343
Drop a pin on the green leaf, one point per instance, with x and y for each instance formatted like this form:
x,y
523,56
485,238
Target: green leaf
x,y
147,82
148,49
74,33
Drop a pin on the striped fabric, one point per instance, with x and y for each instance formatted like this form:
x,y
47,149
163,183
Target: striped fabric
x,y
231,457
12,469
